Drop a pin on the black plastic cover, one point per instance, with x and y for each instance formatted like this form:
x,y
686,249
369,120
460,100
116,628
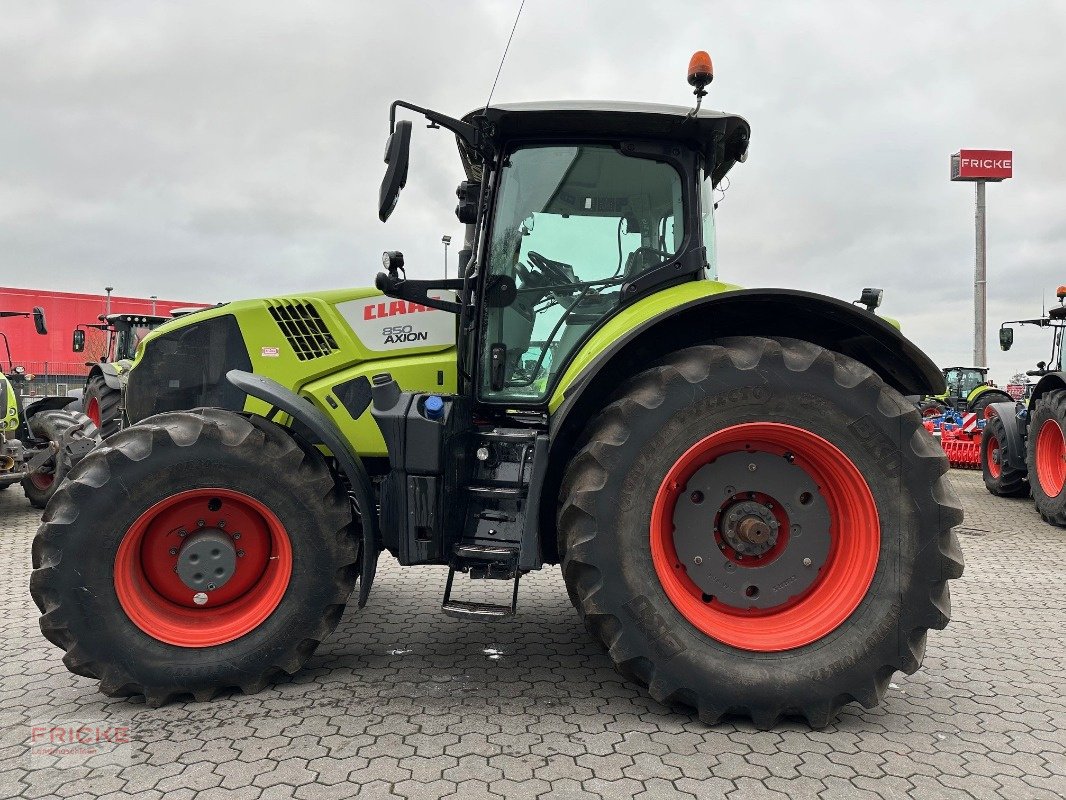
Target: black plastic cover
x,y
186,368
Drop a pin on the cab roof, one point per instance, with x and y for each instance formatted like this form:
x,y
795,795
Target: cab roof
x,y
721,137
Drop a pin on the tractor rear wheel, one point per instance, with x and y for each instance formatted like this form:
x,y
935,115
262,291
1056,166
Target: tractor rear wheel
x,y
760,527
102,405
1001,479
52,425
228,566
1046,456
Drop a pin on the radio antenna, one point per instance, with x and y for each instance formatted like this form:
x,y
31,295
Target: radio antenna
x,y
504,57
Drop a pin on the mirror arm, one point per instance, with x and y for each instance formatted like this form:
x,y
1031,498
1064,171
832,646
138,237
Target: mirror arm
x,y
464,130
417,291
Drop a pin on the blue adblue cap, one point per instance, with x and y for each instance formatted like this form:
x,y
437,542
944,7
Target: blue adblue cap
x,y
434,407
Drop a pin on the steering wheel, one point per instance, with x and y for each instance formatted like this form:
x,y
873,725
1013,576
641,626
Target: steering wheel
x,y
555,271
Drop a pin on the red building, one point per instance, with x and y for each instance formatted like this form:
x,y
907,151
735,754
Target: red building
x,y
51,355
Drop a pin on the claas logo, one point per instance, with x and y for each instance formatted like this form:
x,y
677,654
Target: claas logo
x,y
394,308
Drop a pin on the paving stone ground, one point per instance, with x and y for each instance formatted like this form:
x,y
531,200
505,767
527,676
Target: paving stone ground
x,y
404,702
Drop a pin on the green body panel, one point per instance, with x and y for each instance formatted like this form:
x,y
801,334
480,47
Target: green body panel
x,y
9,413
980,390
430,368
627,319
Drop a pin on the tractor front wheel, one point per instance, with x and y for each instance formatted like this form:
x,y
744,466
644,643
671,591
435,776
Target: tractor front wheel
x,y
760,527
228,566
1046,456
1001,479
52,426
102,405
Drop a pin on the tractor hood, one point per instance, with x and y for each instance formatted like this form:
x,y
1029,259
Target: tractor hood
x,y
722,138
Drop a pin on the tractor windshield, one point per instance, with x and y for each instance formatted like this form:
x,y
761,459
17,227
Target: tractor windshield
x,y
962,380
572,224
128,339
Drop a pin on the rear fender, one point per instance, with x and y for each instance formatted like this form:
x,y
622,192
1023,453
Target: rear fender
x,y
615,352
280,398
1047,383
1012,451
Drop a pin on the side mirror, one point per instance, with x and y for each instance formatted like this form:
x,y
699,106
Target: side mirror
x,y
78,345
397,157
1006,338
38,321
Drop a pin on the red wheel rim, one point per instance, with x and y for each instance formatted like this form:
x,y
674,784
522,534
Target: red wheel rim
x,y
992,456
1051,458
843,579
92,411
160,604
931,411
42,480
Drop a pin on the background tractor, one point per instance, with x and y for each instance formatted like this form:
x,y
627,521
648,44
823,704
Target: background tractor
x,y
968,389
749,515
102,396
1014,461
42,440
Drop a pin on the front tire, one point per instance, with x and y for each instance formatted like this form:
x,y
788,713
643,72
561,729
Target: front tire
x,y
102,405
1001,479
52,425
121,592
760,527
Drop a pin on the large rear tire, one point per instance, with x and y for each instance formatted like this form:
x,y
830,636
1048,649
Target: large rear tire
x,y
1046,456
106,560
760,527
52,425
102,405
1000,479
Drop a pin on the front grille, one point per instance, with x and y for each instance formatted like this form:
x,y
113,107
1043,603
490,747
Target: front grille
x,y
187,368
304,329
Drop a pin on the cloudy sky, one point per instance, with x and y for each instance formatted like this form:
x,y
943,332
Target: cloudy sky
x,y
218,150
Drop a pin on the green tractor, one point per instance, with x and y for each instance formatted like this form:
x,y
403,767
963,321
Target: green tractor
x,y
1014,461
968,390
39,441
748,514
102,396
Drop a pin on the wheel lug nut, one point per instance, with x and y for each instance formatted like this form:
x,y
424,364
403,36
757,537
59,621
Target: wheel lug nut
x,y
173,551
236,536
697,560
752,467
210,586
221,524
199,523
807,562
183,533
240,554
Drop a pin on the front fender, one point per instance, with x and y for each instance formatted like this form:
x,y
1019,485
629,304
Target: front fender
x,y
112,373
284,399
1012,451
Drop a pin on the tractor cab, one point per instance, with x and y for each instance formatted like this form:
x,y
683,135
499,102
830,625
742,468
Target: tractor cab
x,y
962,381
565,229
124,333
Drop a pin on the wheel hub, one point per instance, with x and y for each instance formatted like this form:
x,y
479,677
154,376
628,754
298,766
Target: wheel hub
x,y
750,528
764,541
207,560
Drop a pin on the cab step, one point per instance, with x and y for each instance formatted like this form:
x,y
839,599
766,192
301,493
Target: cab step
x,y
463,609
